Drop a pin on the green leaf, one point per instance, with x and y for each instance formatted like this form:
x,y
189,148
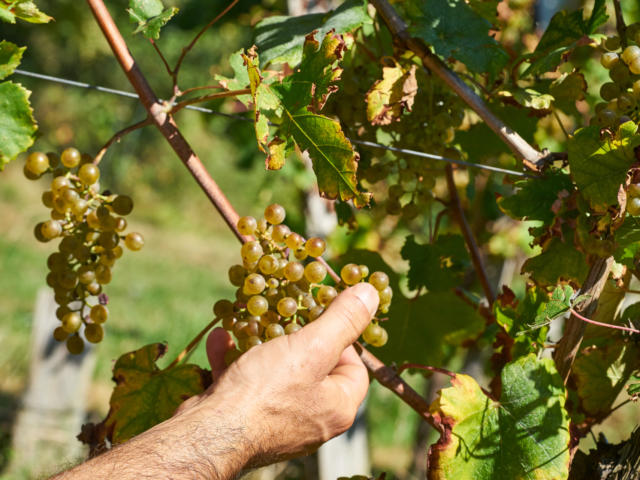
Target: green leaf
x,y
280,39
17,126
454,30
439,266
558,304
22,9
600,374
563,34
524,435
599,166
296,101
10,57
144,395
529,98
487,9
627,238
535,198
150,15
559,261
633,389
390,97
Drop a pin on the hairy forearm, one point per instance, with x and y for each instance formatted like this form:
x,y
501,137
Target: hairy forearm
x,y
193,445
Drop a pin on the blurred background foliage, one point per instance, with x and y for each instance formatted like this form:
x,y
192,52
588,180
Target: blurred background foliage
x,y
165,292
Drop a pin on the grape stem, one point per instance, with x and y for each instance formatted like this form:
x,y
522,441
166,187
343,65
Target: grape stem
x,y
118,136
620,25
467,233
206,98
406,366
193,343
601,324
398,28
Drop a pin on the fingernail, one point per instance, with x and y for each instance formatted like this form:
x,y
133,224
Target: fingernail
x,y
367,295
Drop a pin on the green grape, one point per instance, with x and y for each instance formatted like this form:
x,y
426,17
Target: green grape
x,y
308,301
385,295
59,205
293,271
253,326
57,215
59,183
626,102
633,190
236,275
253,341
99,313
62,311
51,279
134,241
86,274
94,333
57,261
268,317
607,118
223,308
257,305
609,59
68,279
634,66
294,241
630,53
287,306
251,251
70,157
609,91
103,274
109,240
60,334
89,174
275,214
325,295
293,327
350,274
94,288
620,74
239,329
37,163
268,264
51,229
247,225
93,221
80,207
82,253
633,206
29,174
395,191
274,330
315,272
300,254
410,211
254,284
636,88
54,159
273,283
229,322
75,345
315,246
120,225
611,43
37,232
375,335
315,312
262,227
47,199
364,271
122,205
71,322
280,233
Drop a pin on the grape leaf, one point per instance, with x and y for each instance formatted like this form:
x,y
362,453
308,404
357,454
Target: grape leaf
x,y
599,166
280,39
390,97
600,374
559,261
627,238
454,30
524,435
529,98
294,104
487,9
564,33
535,198
633,389
439,266
22,9
17,125
10,56
144,395
150,15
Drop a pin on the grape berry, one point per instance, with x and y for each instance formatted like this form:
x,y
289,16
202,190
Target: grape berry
x,y
280,285
90,227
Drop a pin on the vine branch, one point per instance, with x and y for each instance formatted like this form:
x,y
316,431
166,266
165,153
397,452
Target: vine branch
x,y
118,136
398,28
385,375
620,25
474,250
602,324
160,118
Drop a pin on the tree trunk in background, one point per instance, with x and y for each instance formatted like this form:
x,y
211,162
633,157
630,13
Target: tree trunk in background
x,y
53,405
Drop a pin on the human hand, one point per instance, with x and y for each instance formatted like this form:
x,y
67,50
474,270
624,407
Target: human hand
x,y
293,393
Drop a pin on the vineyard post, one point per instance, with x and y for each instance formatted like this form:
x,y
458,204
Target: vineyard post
x,y
163,120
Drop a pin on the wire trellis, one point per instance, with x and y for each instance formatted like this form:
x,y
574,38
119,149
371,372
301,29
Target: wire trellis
x,y
403,151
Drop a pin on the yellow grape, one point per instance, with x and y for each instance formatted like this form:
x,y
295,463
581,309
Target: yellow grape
x,y
247,225
315,246
275,214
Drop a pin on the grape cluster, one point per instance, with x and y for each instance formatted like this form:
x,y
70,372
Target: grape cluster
x,y
90,226
280,284
622,93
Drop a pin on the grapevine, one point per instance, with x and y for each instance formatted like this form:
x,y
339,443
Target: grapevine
x,y
90,227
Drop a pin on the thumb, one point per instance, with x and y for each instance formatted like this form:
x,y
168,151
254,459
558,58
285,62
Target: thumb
x,y
219,342
342,323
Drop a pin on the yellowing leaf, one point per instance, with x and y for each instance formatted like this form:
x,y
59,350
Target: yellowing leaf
x,y
390,97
